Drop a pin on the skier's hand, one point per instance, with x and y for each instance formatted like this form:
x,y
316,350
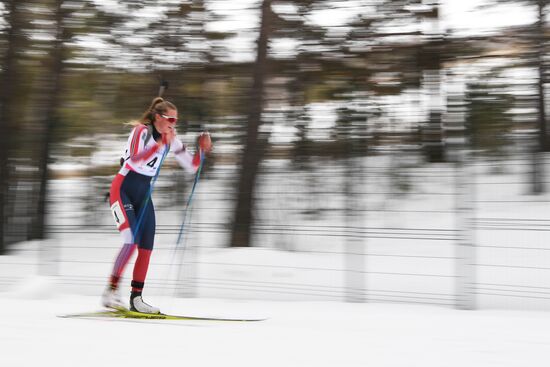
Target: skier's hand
x,y
168,136
204,142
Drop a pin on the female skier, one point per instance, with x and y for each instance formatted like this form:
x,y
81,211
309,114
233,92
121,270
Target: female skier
x,y
151,138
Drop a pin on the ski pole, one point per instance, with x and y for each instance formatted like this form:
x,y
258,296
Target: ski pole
x,y
185,211
188,204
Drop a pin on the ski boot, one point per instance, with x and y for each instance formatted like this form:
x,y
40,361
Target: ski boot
x,y
138,305
111,299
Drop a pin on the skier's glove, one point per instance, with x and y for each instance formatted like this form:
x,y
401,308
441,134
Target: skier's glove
x,y
168,137
204,142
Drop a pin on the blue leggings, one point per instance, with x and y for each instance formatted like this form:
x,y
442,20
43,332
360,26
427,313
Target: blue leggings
x,y
128,196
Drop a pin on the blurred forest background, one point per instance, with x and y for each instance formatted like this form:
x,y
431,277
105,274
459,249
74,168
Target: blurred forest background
x,y
395,77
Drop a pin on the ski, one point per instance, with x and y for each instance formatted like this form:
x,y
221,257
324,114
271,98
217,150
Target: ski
x,y
127,314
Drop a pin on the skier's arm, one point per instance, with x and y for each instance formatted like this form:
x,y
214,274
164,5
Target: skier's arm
x,y
188,161
185,159
138,150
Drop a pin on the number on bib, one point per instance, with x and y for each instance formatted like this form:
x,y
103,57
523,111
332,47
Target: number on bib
x,y
152,163
118,214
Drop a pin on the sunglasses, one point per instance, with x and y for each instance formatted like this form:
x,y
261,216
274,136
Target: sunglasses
x,y
169,118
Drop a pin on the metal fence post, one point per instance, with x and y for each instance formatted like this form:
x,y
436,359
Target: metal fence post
x,y
355,239
463,157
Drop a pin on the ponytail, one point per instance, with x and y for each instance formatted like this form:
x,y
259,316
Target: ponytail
x,y
158,106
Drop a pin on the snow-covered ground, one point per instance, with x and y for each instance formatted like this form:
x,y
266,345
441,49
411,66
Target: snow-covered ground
x,y
296,334
403,258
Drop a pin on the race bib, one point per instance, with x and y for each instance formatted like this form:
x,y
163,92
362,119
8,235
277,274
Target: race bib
x,y
118,214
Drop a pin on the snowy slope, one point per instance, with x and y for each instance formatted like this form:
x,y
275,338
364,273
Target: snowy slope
x,y
297,334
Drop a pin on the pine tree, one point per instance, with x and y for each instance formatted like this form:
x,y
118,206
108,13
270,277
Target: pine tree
x,y
14,43
534,35
53,96
254,143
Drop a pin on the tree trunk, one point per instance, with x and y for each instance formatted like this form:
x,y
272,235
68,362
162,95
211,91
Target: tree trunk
x,y
13,37
433,133
254,145
542,72
542,144
52,91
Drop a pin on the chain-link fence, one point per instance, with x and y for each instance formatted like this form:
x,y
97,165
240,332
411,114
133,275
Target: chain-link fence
x,y
396,230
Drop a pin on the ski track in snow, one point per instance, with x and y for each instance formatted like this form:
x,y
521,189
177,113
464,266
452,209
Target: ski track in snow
x,y
296,334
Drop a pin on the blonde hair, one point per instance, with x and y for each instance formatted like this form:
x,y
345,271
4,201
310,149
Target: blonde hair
x,y
158,106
